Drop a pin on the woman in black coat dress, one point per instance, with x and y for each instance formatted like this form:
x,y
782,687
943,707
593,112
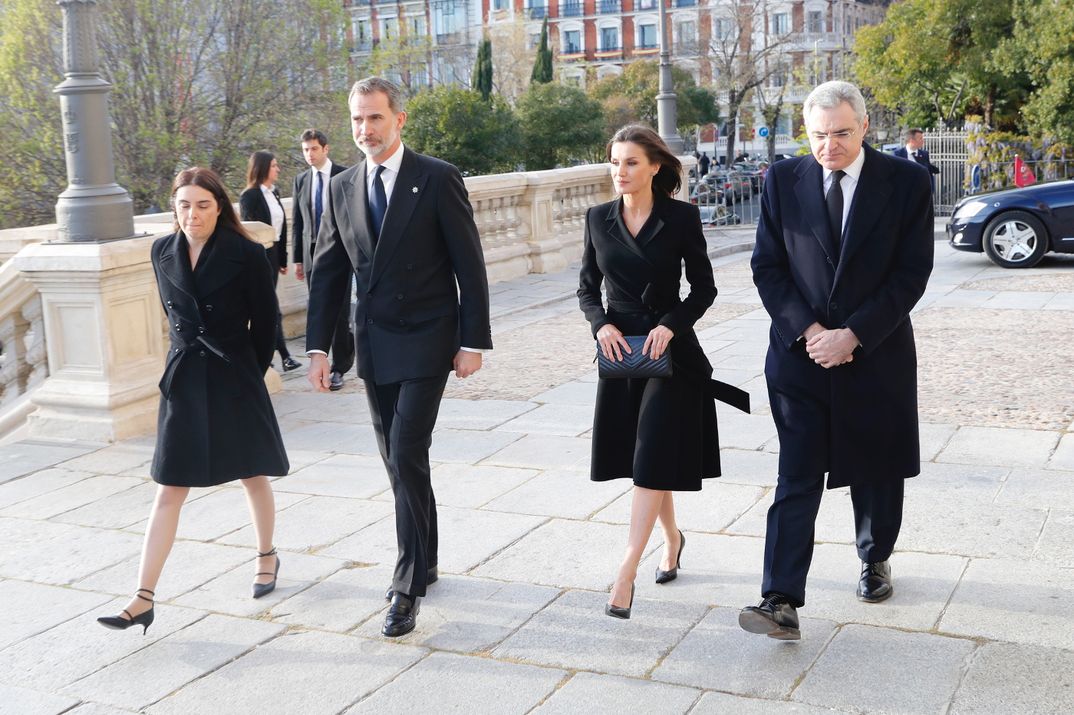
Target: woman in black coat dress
x,y
659,432
260,201
215,423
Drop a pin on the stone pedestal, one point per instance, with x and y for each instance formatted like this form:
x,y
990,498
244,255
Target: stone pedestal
x,y
104,333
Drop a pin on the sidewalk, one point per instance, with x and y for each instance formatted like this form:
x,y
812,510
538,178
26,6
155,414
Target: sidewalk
x,y
984,575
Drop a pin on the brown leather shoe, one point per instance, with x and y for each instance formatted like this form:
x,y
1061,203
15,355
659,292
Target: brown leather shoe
x,y
875,583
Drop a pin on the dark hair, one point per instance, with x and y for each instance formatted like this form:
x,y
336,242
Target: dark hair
x,y
913,132
668,179
314,135
257,169
210,181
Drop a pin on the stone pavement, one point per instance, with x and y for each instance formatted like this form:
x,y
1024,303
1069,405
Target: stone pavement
x,y
980,623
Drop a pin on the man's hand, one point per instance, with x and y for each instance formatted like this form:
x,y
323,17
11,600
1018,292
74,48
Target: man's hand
x,y
300,274
656,343
283,270
466,363
319,373
812,331
830,348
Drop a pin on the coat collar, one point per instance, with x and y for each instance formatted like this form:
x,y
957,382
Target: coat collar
x,y
617,229
810,193
874,190
220,265
407,191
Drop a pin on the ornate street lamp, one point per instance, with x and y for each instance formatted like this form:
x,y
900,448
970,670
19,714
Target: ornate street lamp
x,y
666,109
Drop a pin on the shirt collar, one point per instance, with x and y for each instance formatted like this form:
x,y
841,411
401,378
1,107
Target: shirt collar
x,y
853,171
266,190
392,163
325,169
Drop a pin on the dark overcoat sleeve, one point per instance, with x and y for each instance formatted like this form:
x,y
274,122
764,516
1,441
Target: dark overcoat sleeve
x,y
790,311
261,298
590,279
297,222
250,206
329,278
695,256
467,260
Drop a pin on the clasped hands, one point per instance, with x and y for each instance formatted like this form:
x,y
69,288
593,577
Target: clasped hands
x,y
613,344
830,347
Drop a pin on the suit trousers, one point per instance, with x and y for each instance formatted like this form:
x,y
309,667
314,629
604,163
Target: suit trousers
x,y
788,548
404,414
342,337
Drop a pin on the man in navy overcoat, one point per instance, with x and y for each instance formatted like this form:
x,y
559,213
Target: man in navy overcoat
x,y
843,253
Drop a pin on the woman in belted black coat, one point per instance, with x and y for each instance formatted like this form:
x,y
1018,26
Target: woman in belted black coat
x,y
216,423
260,201
659,432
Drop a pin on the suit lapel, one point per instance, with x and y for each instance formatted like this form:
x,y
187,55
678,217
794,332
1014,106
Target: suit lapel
x,y
871,195
617,230
354,213
175,266
653,225
407,191
222,265
810,193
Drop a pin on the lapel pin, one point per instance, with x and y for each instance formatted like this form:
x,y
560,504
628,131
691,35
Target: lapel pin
x,y
414,190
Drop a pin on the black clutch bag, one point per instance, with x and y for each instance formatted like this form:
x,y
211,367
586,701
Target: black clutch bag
x,y
634,364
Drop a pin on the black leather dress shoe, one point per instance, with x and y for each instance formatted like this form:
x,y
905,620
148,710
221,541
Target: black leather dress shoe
x,y
402,615
335,381
774,617
431,577
875,583
289,364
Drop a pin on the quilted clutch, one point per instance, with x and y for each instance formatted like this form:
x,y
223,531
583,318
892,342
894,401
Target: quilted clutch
x,y
634,364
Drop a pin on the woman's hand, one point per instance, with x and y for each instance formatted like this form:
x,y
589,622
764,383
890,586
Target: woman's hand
x,y
656,343
612,342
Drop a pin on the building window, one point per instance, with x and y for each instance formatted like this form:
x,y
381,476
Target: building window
x,y
363,35
417,27
781,23
722,29
537,11
685,3
686,35
499,5
572,42
646,37
389,29
535,40
645,4
609,7
816,22
609,38
570,8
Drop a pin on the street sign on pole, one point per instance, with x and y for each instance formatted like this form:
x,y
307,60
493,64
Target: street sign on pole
x,y
763,131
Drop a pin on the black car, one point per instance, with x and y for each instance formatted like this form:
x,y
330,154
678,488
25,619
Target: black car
x,y
1016,227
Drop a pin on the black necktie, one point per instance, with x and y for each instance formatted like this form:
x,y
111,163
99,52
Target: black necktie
x,y
834,202
378,202
318,204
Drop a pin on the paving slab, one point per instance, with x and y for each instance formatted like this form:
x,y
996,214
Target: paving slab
x,y
544,452
24,701
479,414
1016,601
97,709
714,508
562,553
340,602
340,475
466,614
230,592
724,704
28,456
468,446
31,608
544,495
1039,488
113,459
933,437
718,655
574,632
324,673
459,550
340,437
115,511
845,674
37,483
315,523
468,486
81,646
464,685
1008,678
948,525
59,554
592,693
171,662
70,497
742,431
556,419
1056,543
748,466
190,564
1000,445
577,392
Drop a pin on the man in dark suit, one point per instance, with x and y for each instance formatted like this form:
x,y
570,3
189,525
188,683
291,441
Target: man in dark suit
x,y
401,224
843,253
309,197
915,149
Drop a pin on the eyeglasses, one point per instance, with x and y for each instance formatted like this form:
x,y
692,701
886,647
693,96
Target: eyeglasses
x,y
840,135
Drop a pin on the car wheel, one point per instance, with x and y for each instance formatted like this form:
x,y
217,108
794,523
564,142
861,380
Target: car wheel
x,y
1015,239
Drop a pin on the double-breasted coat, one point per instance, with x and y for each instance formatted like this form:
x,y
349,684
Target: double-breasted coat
x,y
660,432
857,421
216,422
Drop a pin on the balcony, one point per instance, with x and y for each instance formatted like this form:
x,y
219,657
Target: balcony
x,y
571,8
608,7
537,12
645,4
685,3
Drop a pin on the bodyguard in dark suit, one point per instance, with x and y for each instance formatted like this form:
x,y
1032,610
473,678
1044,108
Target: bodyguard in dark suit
x,y
915,149
309,196
402,225
843,253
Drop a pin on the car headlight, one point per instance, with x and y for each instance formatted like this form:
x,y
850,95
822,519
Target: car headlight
x,y
969,210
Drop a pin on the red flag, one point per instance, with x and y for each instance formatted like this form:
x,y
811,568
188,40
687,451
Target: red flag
x,y
1023,175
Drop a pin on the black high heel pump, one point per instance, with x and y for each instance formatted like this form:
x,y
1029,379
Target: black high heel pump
x,y
263,589
619,611
144,619
672,574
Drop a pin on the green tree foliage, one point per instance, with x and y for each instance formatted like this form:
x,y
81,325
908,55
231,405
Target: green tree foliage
x,y
1041,47
482,79
631,96
458,126
193,82
933,61
560,126
542,66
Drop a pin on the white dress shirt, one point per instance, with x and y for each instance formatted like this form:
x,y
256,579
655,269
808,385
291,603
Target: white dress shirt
x,y
326,173
274,209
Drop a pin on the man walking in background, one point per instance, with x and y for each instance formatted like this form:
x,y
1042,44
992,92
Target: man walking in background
x,y
915,149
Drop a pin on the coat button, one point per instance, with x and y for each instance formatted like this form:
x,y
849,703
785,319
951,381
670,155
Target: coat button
x,y
178,350
398,296
178,328
201,330
833,306
201,353
402,322
208,309
169,304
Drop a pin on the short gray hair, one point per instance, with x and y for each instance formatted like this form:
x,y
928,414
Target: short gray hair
x,y
369,85
831,94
